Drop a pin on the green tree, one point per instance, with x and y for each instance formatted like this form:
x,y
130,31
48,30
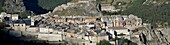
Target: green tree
x,y
74,44
104,42
1,5
25,14
128,42
2,25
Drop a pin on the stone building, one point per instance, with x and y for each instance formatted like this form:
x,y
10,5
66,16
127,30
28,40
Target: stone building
x,y
21,24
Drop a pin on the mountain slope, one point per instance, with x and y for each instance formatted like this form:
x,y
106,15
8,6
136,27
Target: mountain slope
x,y
77,9
37,6
150,12
51,4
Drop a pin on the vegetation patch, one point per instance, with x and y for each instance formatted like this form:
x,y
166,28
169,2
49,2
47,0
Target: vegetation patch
x,y
154,14
1,5
104,42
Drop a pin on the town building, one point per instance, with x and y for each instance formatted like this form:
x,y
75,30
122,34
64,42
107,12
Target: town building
x,y
32,29
89,28
15,17
88,20
21,24
58,19
45,30
119,30
108,7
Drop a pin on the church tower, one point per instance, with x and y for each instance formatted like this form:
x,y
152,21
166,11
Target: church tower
x,y
32,21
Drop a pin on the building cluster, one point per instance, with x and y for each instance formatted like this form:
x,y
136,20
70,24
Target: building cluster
x,y
74,26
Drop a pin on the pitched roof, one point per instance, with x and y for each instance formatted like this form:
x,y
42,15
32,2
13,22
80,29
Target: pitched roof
x,y
25,21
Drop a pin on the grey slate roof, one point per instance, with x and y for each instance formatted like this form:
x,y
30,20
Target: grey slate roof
x,y
25,21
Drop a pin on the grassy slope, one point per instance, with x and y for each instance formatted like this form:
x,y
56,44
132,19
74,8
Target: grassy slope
x,y
149,13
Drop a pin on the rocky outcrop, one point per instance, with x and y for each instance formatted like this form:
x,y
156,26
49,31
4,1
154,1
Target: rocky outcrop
x,y
81,8
151,36
14,6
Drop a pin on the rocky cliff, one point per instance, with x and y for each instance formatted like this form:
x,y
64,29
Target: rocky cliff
x,y
37,6
81,8
153,36
14,6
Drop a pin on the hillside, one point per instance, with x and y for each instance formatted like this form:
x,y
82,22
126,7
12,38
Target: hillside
x,y
77,8
155,13
37,6
51,4
155,2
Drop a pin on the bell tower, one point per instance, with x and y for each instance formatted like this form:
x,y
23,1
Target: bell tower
x,y
32,19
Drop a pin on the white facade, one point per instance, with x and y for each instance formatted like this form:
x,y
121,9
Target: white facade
x,y
95,38
15,17
21,27
107,7
119,31
90,25
11,16
46,30
51,30
32,29
32,21
124,31
2,14
0,20
50,37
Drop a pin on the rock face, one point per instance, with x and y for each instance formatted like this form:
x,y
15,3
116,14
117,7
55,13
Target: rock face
x,y
153,36
14,6
81,8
